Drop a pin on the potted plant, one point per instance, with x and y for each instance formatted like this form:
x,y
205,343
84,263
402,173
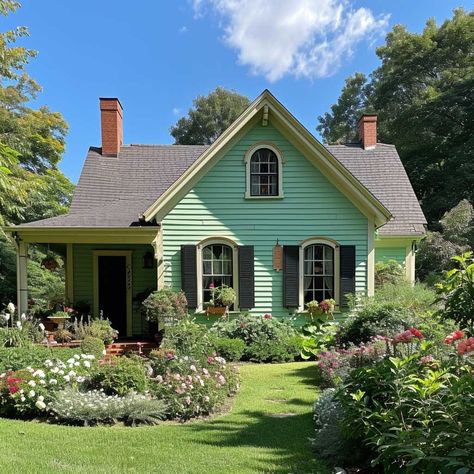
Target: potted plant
x,y
223,297
50,261
60,318
164,307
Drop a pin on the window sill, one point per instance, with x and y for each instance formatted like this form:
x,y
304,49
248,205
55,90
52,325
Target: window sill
x,y
248,196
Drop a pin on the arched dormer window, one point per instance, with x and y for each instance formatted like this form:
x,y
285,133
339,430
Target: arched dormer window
x,y
264,172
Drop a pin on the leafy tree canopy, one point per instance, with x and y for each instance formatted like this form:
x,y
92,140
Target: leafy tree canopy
x,y
209,117
423,93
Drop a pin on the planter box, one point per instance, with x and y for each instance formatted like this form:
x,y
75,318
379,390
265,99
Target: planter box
x,y
218,311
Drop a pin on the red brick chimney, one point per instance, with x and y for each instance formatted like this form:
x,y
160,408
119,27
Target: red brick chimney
x,y
111,124
368,131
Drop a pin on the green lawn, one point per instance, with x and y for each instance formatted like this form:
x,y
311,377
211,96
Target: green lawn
x,y
253,437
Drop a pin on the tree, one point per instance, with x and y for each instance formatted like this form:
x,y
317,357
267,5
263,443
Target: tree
x,y
423,93
209,117
31,147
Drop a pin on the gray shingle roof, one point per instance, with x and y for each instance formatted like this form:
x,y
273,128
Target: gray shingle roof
x,y
114,192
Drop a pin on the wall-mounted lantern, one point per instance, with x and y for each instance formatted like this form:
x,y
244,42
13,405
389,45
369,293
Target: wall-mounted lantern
x,y
148,260
277,257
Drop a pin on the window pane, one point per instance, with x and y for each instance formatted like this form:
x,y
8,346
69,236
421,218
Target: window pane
x,y
207,267
226,252
318,252
319,295
328,267
328,252
308,252
308,283
318,283
328,283
217,267
308,268
308,296
217,251
207,252
318,268
227,267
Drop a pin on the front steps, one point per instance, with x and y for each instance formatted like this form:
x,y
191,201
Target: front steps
x,y
126,347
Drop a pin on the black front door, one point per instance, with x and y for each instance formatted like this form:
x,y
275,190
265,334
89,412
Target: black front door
x,y
113,291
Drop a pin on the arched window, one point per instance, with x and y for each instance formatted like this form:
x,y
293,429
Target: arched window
x,y
319,271
217,268
264,172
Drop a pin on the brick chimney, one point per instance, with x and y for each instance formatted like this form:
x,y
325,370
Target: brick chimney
x,y
368,131
111,124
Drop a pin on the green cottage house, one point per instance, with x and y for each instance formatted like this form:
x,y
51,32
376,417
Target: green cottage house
x,y
266,209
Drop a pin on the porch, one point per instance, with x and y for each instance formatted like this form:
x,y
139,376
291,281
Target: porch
x,y
108,272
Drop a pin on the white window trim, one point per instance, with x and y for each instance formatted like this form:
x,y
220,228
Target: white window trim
x,y
247,157
324,241
235,268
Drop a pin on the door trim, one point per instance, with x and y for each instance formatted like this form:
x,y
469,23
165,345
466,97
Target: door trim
x,y
128,273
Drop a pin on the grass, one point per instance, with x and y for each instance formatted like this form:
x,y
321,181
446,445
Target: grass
x,y
266,431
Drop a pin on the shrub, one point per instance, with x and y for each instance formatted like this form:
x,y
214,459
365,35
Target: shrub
x,y
230,349
285,349
412,411
188,338
16,358
99,328
102,329
121,376
165,306
457,292
388,272
14,337
63,335
93,345
192,388
94,407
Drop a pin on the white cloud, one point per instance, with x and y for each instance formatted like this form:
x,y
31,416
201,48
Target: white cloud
x,y
176,111
309,38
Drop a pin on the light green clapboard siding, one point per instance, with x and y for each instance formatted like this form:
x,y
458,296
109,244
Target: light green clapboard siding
x,y
311,207
142,279
383,254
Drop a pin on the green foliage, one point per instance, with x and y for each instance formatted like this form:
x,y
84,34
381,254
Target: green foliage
x,y
224,296
209,117
93,407
102,329
412,415
437,249
93,345
63,335
166,306
457,292
188,338
230,349
267,339
121,376
16,358
388,272
265,350
422,93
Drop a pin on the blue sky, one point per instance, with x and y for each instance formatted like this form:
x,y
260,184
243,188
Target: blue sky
x,y
157,55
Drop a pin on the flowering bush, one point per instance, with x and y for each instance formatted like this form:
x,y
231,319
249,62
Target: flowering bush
x,y
26,392
191,388
94,406
411,405
165,305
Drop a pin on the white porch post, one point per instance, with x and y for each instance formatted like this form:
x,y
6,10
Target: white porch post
x,y
21,277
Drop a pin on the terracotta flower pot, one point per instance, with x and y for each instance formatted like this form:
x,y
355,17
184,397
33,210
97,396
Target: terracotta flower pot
x,y
218,311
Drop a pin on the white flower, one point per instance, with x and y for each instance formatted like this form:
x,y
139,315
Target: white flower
x,y
53,381
23,317
77,364
87,363
18,325
77,356
41,398
42,381
206,398
80,379
71,360
39,373
193,368
41,405
72,373
61,372
31,393
32,383
22,398
41,327
11,308
54,370
67,378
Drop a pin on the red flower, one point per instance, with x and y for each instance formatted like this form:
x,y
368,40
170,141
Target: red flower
x,y
466,346
267,316
454,336
211,286
210,360
13,389
417,333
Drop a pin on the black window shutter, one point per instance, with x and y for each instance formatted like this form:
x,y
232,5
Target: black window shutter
x,y
246,277
189,274
291,269
347,257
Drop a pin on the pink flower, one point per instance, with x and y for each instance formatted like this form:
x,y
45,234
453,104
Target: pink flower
x,y
454,336
267,316
210,360
426,359
417,333
466,346
211,286
407,336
